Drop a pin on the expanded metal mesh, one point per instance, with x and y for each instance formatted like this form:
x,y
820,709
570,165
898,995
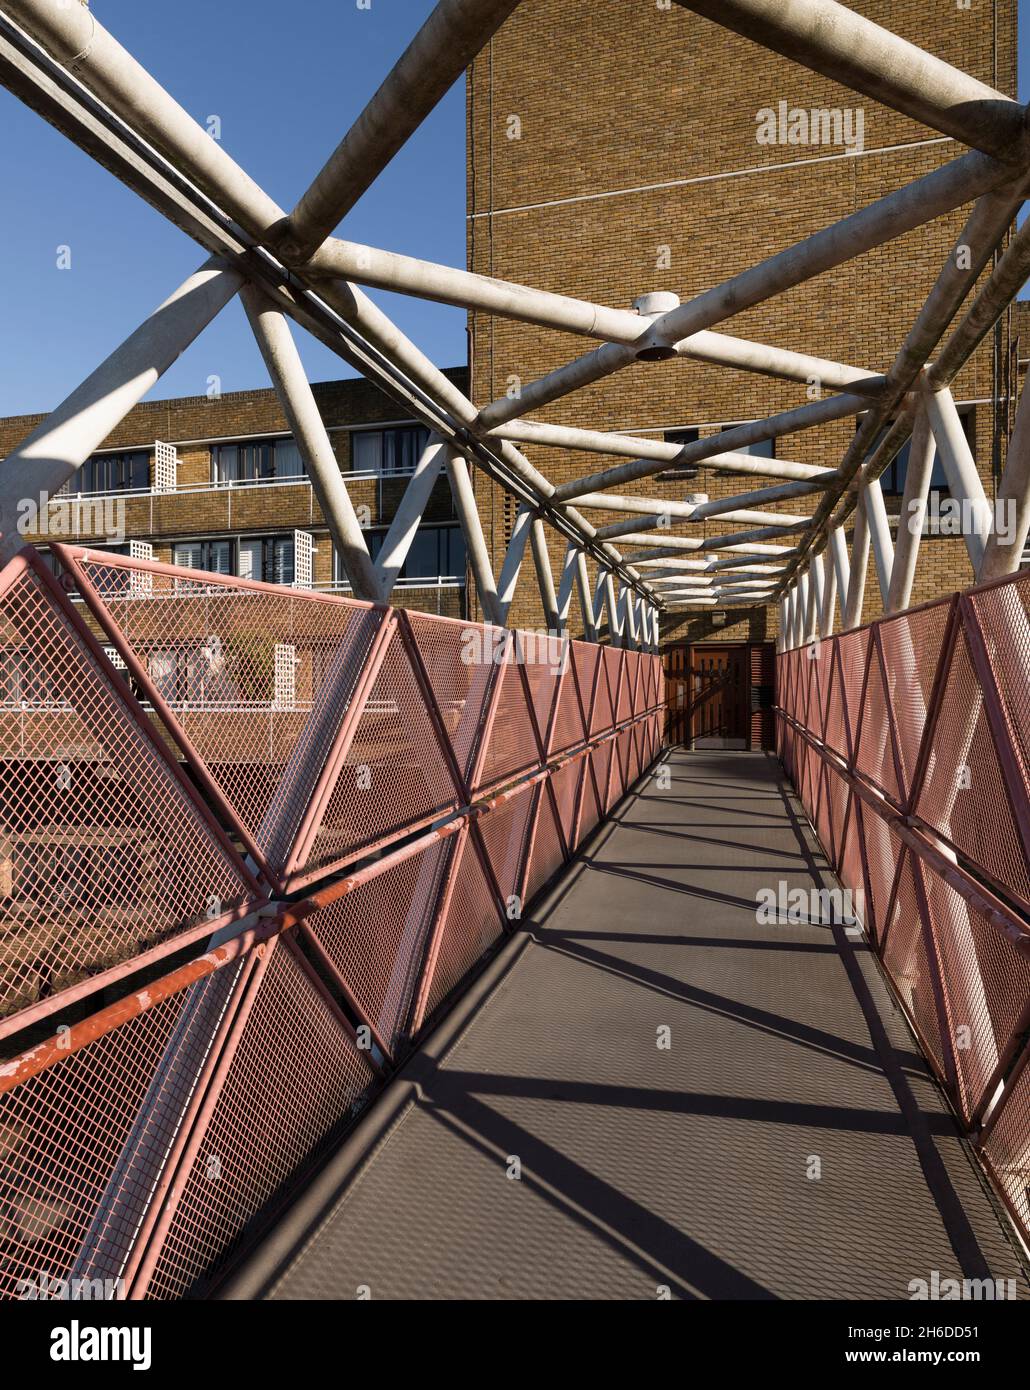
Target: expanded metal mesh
x,y
63,1135
104,853
313,733
376,936
294,1073
395,774
204,649
921,733
470,925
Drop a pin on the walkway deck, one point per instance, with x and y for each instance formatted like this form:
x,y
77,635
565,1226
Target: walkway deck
x,y
641,1167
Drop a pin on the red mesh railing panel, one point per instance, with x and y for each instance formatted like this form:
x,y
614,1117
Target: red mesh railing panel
x,y
566,783
512,747
376,937
569,728
987,983
852,650
875,756
964,797
912,644
1004,615
850,869
253,680
319,733
881,851
295,1072
835,729
461,685
911,965
471,923
543,676
505,835
547,852
1007,1148
395,775
63,1133
591,800
928,714
822,666
104,853
820,810
604,712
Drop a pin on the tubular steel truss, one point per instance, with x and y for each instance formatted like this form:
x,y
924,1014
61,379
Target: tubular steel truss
x,y
340,805
324,816
908,742
60,60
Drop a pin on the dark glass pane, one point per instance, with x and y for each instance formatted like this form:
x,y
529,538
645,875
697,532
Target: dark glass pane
x,y
453,547
227,463
219,557
281,565
423,561
139,470
764,449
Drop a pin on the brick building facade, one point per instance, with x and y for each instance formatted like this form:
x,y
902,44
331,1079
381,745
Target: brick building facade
x,y
608,157
247,523
613,151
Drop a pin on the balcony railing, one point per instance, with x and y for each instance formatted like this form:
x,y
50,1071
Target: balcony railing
x,y
92,514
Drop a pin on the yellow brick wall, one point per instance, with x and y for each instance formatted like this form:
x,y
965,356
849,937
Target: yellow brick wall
x,y
638,132
164,518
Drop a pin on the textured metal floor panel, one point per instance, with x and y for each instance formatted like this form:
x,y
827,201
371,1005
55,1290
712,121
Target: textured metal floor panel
x,y
689,1167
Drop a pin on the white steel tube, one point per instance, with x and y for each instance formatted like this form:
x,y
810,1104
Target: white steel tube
x,y
58,447
437,56
913,511
1002,554
960,470
655,457
858,566
408,517
512,566
472,529
544,576
880,535
833,40
302,415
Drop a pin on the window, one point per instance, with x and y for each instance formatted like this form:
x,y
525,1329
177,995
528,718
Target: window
x,y
269,559
388,451
764,449
24,685
676,471
114,473
437,552
686,436
215,557
256,461
892,479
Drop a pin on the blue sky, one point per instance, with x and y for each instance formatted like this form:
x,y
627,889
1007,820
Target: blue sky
x,y
285,85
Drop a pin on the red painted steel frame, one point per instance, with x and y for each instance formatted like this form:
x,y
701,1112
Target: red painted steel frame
x,y
185,1232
